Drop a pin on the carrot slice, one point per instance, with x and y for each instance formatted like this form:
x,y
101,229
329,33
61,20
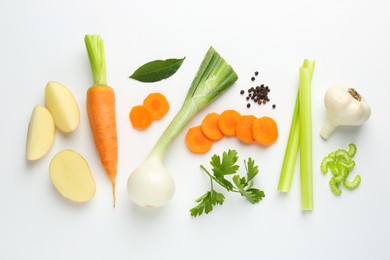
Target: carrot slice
x,y
196,141
244,128
265,130
227,122
210,127
157,105
140,117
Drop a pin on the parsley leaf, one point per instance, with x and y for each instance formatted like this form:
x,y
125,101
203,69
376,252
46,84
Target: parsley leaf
x,y
206,203
222,168
251,169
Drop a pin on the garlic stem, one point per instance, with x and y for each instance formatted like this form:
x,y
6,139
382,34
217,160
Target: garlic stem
x,y
327,129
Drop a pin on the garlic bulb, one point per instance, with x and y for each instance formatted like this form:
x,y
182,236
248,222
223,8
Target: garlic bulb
x,y
344,106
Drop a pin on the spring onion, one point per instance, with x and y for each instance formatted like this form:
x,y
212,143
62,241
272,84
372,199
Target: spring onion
x,y
151,184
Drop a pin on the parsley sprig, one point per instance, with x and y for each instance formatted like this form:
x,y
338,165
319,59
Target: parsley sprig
x,y
222,168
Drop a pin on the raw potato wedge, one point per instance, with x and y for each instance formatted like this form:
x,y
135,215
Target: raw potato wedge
x,y
71,176
41,131
63,106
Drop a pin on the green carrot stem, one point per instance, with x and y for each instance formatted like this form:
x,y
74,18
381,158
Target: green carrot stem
x,y
97,60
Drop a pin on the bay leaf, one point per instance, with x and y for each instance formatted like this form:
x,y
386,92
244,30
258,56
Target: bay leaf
x,y
157,70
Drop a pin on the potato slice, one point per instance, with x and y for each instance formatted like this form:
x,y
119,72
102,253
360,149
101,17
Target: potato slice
x,y
40,134
71,176
63,106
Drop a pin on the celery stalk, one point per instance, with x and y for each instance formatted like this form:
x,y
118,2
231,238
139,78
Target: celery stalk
x,y
305,138
291,151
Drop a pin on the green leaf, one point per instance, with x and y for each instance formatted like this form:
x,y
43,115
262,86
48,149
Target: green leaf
x,y
251,169
253,195
223,167
206,203
227,165
157,70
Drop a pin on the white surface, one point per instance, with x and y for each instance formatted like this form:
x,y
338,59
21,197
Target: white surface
x,y
43,40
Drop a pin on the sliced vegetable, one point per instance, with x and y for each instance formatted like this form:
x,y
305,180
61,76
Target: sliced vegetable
x,y
210,127
101,109
265,130
140,117
71,176
62,106
40,135
223,167
340,164
157,70
244,128
197,141
344,106
214,77
227,122
157,105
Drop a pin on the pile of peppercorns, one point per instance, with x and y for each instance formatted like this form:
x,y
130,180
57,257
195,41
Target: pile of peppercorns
x,y
258,94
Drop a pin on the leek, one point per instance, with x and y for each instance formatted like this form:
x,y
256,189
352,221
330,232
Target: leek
x,y
151,185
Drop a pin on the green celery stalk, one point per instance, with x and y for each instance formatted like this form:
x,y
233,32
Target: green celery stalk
x,y
305,138
292,147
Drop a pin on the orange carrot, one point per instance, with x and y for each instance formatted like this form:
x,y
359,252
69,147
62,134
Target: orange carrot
x,y
196,141
265,130
140,117
101,109
210,127
157,105
227,122
244,128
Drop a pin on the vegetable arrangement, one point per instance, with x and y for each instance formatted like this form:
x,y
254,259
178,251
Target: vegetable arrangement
x,y
247,128
151,184
221,168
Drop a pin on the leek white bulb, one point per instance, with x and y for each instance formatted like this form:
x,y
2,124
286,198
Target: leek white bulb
x,y
150,185
344,106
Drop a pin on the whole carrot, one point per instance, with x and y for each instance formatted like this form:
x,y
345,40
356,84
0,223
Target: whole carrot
x,y
101,109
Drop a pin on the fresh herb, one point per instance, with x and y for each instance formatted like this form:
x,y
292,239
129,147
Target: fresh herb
x,y
221,168
157,70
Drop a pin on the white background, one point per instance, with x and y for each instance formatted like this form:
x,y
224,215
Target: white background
x,y
43,41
